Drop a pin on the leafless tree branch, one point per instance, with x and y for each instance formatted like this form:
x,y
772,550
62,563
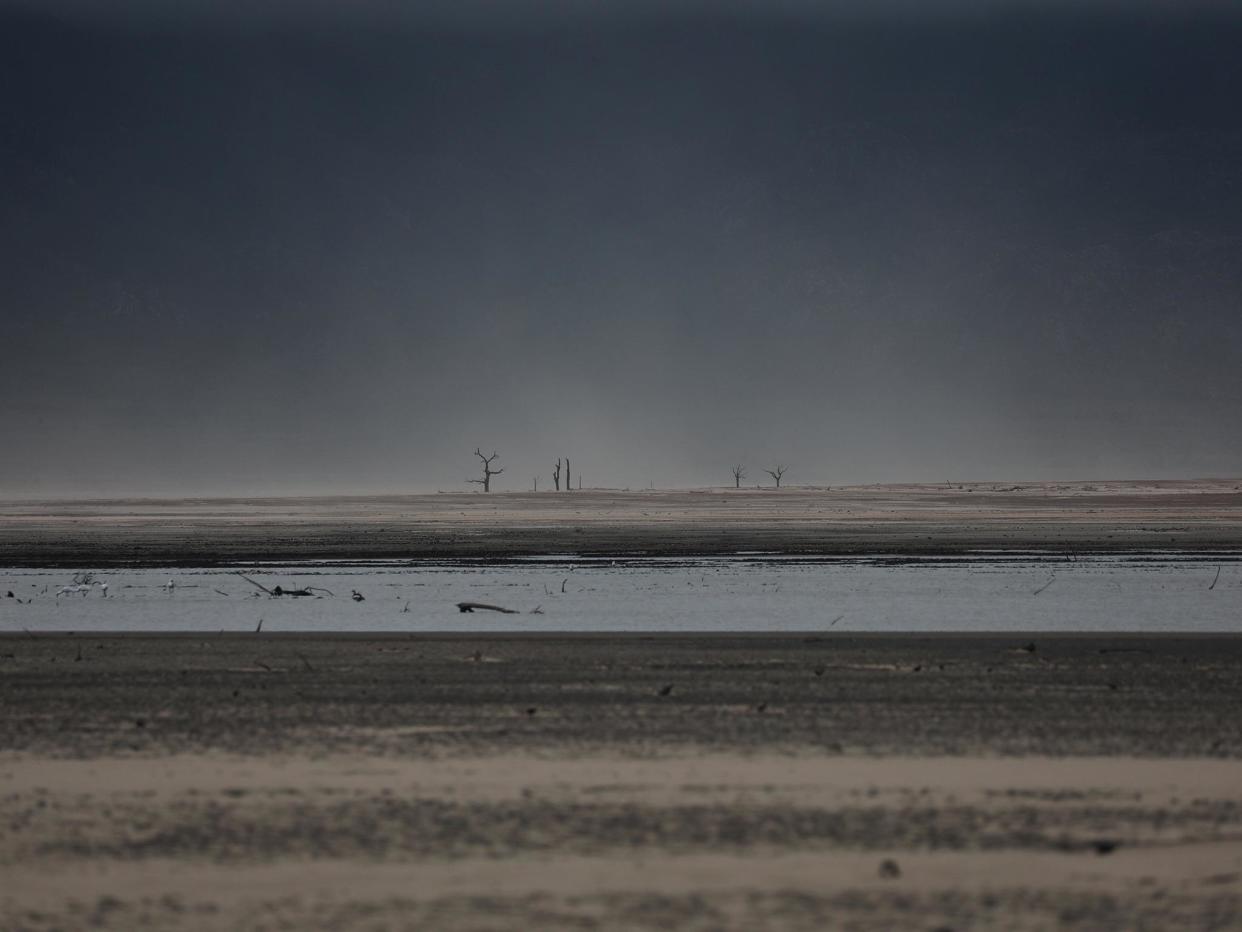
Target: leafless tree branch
x,y
776,473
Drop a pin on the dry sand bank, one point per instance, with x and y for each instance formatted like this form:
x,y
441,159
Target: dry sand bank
x,y
740,782
947,518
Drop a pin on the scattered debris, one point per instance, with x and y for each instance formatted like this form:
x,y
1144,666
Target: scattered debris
x,y
483,606
356,595
220,592
1214,581
831,623
1103,846
889,869
406,610
259,626
1029,647
820,670
82,584
666,690
306,663
531,711
537,610
563,581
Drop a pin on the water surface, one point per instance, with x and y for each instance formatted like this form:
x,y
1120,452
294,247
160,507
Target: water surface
x,y
755,592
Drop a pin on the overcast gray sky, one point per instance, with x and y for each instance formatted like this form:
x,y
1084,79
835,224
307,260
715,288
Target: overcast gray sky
x,y
252,250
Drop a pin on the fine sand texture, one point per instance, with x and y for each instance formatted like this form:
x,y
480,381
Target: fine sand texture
x,y
620,782
912,519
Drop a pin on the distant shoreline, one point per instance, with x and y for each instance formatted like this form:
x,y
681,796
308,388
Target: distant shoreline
x,y
1102,517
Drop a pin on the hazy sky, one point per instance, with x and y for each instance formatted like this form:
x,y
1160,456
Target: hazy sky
x,y
270,247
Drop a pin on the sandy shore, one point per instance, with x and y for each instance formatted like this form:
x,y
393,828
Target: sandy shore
x,y
643,782
949,518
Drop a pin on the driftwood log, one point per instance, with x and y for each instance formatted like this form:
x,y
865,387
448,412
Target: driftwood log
x,y
484,607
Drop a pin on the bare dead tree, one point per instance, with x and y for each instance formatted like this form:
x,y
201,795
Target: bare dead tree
x,y
488,472
569,485
739,473
556,474
777,473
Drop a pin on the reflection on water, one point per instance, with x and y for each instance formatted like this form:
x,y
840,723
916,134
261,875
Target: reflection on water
x,y
748,592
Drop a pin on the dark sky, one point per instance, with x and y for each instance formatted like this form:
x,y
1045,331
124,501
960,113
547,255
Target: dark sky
x,y
252,252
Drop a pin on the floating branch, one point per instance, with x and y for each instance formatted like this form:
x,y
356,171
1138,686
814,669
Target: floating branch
x,y
303,592
483,606
253,583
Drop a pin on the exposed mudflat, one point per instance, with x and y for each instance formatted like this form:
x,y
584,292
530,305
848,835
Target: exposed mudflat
x,y
637,782
911,519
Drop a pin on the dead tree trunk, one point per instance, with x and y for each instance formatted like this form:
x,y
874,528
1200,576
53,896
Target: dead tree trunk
x,y
569,485
488,472
739,473
777,473
556,475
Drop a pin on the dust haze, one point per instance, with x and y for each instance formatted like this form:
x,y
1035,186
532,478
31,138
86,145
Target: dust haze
x,y
252,253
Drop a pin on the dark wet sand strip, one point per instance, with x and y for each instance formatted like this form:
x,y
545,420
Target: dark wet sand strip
x,y
1198,517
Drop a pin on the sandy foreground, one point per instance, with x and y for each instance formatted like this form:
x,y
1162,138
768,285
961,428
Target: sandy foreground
x,y
949,518
632,782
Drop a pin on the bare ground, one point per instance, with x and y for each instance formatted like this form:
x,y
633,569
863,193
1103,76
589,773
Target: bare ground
x,y
641,782
949,518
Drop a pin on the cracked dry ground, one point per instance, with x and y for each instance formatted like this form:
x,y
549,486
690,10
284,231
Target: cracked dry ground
x,y
668,782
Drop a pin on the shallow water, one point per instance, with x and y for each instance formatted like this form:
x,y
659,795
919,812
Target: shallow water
x,y
982,592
